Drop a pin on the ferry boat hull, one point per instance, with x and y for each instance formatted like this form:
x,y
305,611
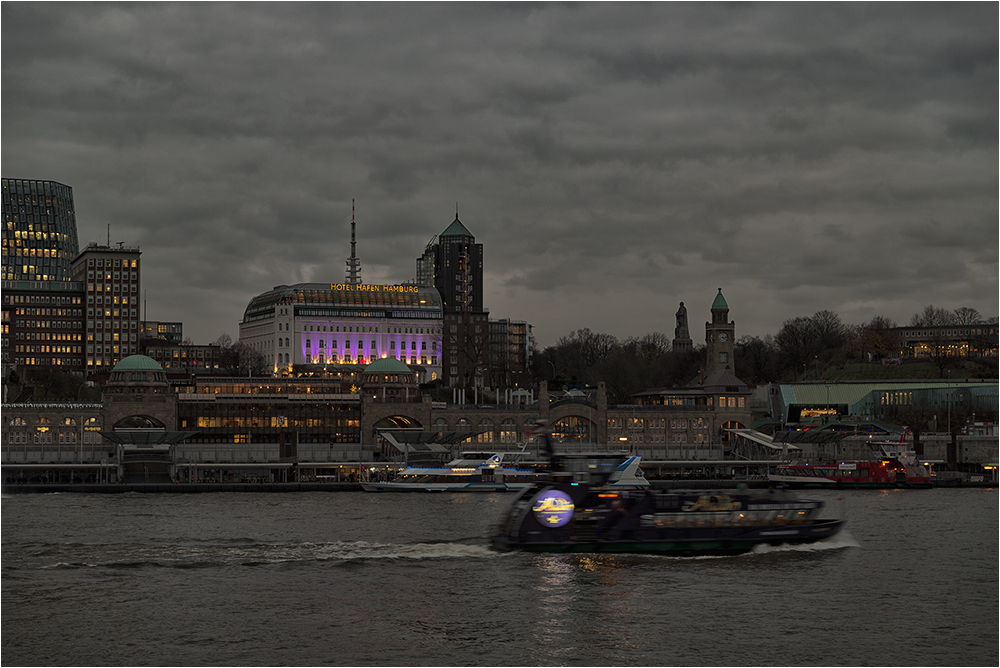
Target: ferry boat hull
x,y
568,517
704,542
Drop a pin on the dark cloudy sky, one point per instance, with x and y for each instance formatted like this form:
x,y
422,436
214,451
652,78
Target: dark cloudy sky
x,y
613,159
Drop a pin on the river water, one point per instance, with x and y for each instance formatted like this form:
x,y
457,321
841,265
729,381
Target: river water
x,y
355,579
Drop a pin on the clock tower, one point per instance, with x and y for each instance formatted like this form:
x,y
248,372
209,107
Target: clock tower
x,y
719,335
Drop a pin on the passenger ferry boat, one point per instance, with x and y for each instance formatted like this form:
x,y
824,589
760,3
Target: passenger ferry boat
x,y
575,510
485,472
893,465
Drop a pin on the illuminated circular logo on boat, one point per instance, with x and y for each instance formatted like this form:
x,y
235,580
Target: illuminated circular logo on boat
x,y
553,508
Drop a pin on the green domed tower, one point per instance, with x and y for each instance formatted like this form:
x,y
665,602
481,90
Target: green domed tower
x,y
388,379
719,336
138,394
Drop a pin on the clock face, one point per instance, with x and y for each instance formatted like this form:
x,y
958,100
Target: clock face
x,y
723,337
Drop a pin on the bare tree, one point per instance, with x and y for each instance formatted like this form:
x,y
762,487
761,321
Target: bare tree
x,y
756,360
877,338
239,359
830,332
967,316
932,317
797,342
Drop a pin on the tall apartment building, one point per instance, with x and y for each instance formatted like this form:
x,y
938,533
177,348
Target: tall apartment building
x,y
511,348
111,278
42,319
455,265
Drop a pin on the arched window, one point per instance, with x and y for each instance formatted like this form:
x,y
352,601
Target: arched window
x,y
91,429
486,426
509,433
42,430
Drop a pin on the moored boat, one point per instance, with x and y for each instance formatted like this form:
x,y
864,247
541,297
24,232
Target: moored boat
x,y
472,472
574,510
487,472
892,465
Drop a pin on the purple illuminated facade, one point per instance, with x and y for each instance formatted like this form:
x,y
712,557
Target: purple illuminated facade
x,y
322,324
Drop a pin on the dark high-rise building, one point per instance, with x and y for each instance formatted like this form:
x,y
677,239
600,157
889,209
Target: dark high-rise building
x,y
42,304
455,265
458,272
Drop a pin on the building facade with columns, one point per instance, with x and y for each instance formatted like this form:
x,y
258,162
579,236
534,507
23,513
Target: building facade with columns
x,y
346,324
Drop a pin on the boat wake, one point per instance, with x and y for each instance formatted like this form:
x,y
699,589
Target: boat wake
x,y
252,554
841,540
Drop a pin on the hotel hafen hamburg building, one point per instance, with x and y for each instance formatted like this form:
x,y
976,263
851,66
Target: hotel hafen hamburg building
x,y
324,324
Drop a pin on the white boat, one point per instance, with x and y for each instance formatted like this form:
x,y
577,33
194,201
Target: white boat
x,y
628,475
472,472
486,472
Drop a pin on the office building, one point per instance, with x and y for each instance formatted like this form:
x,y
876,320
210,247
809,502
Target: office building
x,y
42,319
39,231
111,276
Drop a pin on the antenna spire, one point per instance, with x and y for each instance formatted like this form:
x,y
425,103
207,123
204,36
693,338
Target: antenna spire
x,y
353,263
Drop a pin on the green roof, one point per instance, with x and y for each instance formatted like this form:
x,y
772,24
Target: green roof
x,y
388,365
456,229
138,363
720,302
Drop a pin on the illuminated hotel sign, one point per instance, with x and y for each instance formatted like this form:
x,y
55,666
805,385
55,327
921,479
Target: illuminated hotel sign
x,y
553,508
362,287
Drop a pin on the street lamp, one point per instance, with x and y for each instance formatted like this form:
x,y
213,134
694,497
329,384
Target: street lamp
x,y
827,401
948,399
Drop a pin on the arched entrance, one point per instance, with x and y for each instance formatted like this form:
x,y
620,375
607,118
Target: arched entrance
x,y
572,429
139,422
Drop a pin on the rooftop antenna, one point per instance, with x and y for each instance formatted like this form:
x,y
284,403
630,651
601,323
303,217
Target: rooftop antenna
x,y
353,263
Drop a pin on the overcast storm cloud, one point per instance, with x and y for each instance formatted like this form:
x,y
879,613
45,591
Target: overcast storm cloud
x,y
613,159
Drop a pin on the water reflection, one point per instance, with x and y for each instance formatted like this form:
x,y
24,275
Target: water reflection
x,y
591,596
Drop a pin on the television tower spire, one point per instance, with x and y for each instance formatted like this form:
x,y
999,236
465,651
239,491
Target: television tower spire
x,y
353,263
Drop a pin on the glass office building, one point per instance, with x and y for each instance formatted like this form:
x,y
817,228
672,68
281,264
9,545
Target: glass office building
x,y
42,304
39,231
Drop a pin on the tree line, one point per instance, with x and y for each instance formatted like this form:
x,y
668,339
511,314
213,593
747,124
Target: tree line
x,y
802,347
